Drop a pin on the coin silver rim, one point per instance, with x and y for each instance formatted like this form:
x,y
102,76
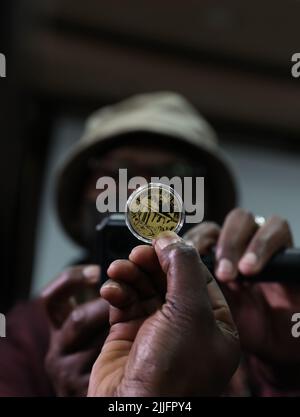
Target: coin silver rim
x,y
138,191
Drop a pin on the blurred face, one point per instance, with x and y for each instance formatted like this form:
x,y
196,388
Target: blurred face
x,y
143,161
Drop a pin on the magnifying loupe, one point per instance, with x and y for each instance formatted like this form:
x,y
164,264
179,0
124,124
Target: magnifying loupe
x,y
154,208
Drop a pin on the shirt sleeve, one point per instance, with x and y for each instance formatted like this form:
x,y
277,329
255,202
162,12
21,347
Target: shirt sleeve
x,y
23,351
273,379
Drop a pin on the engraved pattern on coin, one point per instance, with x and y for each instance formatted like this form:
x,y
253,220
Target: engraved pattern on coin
x,y
153,209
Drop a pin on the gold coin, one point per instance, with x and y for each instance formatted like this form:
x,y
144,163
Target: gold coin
x,y
152,209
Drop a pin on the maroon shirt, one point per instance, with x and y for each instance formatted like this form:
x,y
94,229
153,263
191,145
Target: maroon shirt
x,y
23,351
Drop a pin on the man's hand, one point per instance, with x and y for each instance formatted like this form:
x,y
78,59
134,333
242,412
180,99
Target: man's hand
x,y
171,329
77,331
262,311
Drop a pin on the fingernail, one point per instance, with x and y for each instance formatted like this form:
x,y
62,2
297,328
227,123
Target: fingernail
x,y
218,252
135,249
77,315
92,272
165,239
225,270
110,284
248,261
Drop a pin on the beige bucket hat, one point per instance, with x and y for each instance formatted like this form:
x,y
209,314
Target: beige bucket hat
x,y
171,121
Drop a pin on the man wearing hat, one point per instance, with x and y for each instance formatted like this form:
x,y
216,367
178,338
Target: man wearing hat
x,y
158,134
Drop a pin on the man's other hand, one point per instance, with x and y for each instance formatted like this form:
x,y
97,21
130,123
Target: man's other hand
x,y
262,311
77,330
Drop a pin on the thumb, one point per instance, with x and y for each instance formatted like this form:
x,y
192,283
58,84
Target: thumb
x,y
187,276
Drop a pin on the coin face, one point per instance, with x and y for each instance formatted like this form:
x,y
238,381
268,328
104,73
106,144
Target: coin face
x,y
152,209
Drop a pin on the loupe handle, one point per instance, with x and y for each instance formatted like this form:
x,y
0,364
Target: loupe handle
x,y
282,267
